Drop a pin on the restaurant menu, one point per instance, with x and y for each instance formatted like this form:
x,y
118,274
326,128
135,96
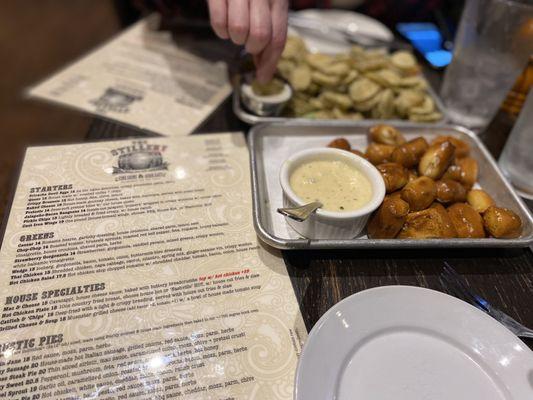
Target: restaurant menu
x,y
144,79
130,270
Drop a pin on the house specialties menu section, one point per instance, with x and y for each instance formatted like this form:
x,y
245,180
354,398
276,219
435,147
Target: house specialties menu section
x,y
130,270
142,78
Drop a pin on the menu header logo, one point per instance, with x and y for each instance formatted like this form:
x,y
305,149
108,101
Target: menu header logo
x,y
139,156
116,100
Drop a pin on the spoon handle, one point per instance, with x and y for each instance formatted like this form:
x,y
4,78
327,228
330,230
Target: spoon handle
x,y
300,213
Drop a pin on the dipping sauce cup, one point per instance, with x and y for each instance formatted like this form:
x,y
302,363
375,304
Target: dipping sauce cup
x,y
326,224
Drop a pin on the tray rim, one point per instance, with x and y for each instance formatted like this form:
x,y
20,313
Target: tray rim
x,y
252,119
311,244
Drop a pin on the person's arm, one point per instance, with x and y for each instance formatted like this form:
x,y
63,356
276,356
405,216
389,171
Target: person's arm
x,y
259,25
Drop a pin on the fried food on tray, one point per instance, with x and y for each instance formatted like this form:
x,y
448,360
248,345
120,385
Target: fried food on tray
x,y
394,175
433,222
420,179
409,154
436,160
469,170
462,149
405,61
464,170
419,193
336,100
389,218
378,153
450,191
502,223
479,200
395,195
359,84
467,221
413,174
453,172
300,77
358,153
386,134
340,143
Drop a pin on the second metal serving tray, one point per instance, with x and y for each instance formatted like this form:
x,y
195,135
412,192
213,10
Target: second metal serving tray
x,y
246,116
271,143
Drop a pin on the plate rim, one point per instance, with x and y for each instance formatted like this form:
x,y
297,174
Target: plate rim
x,y
315,331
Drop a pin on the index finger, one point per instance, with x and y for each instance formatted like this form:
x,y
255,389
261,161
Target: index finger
x,y
268,59
260,26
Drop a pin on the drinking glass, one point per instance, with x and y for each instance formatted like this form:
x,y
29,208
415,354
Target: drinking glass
x,y
516,161
492,46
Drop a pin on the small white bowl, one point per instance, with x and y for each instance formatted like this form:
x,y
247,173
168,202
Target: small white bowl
x,y
330,224
265,105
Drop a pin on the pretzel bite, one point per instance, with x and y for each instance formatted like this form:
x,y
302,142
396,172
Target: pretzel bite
x,y
453,172
449,229
413,174
378,153
502,223
462,149
433,222
395,195
436,160
409,154
389,218
394,175
340,143
358,153
469,170
479,200
419,193
386,134
466,221
450,191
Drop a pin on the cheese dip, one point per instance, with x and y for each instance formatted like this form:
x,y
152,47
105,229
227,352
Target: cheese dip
x,y
336,184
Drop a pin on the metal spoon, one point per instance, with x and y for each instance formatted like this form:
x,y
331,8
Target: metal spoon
x,y
300,213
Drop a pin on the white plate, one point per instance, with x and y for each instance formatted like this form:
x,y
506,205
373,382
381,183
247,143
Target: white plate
x,y
409,343
340,19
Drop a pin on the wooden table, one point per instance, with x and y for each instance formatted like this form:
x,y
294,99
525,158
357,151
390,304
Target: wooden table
x,y
322,278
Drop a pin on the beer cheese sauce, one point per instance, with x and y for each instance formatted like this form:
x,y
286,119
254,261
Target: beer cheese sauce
x,y
336,184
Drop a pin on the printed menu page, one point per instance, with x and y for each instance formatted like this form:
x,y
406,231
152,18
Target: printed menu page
x,y
130,269
144,79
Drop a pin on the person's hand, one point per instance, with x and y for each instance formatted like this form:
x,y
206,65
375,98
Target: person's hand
x,y
260,25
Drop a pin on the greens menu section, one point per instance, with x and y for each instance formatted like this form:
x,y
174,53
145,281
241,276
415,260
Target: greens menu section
x,y
131,270
142,78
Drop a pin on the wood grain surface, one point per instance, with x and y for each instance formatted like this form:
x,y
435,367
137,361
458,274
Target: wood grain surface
x,y
322,278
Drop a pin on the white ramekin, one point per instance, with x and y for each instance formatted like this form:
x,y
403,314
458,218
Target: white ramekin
x,y
330,224
265,105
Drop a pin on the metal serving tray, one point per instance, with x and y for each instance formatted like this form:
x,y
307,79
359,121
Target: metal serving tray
x,y
271,143
246,116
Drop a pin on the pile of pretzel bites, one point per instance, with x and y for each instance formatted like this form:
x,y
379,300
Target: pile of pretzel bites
x,y
430,189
